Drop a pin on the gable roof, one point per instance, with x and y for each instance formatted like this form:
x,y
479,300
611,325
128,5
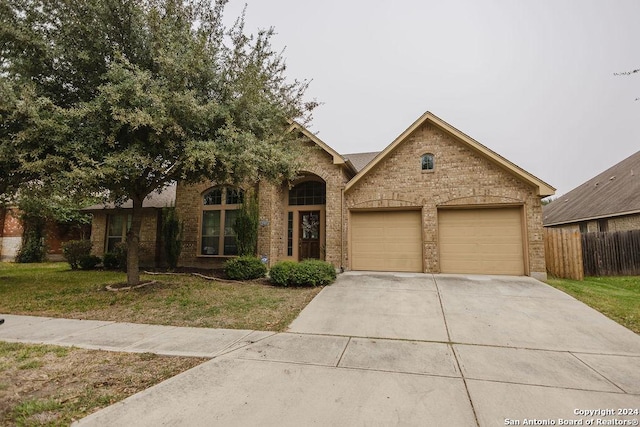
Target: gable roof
x,y
360,160
165,198
542,188
616,191
337,158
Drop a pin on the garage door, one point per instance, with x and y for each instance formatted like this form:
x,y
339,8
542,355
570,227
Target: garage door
x,y
482,241
386,241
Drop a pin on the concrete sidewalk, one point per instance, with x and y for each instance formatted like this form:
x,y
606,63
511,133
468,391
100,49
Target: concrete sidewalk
x,y
128,337
383,349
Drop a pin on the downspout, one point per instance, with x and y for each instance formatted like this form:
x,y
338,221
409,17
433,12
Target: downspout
x,y
342,229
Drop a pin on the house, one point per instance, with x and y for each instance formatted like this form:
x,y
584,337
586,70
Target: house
x,y
609,201
109,225
434,200
56,234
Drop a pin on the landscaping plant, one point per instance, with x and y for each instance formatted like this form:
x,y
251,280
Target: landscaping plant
x,y
172,235
309,272
245,268
74,251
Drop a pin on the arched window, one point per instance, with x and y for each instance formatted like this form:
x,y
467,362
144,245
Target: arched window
x,y
308,193
428,162
219,211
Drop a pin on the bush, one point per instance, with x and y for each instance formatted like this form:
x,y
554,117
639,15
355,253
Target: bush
x,y
244,268
110,261
305,273
281,273
74,250
116,260
89,262
172,229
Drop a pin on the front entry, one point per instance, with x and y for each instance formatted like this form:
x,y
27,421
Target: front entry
x,y
309,235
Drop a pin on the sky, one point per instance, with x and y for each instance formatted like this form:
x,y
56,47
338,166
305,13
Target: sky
x,y
531,80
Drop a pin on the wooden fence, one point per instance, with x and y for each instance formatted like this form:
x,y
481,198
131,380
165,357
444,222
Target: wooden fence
x,y
611,253
563,253
572,255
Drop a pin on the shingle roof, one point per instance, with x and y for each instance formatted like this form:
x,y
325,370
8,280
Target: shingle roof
x,y
154,200
360,160
614,192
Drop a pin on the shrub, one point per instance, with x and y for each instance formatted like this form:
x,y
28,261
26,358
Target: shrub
x,y
89,262
116,260
246,225
244,268
305,273
110,261
74,250
281,273
172,229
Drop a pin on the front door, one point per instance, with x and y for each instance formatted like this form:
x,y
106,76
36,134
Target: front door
x,y
309,235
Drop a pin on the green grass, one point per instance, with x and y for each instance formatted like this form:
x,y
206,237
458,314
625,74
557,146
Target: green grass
x,y
616,297
53,289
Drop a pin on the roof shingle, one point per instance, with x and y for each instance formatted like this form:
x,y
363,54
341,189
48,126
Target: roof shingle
x,y
615,191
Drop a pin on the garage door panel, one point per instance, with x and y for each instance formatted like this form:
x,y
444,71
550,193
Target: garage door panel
x,y
481,241
386,241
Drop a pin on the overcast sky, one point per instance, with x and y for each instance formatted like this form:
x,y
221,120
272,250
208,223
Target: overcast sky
x,y
532,80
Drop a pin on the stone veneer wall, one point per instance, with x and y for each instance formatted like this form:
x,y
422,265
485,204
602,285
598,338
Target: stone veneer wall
x,y
461,177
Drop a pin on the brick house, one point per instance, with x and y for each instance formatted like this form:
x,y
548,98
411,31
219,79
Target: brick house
x,y
434,200
610,201
109,226
55,234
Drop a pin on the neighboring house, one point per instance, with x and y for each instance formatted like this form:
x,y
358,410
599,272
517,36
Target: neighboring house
x,y
435,200
608,202
110,223
55,234
10,234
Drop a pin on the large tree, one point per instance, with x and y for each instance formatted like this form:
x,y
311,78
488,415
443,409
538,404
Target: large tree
x,y
123,97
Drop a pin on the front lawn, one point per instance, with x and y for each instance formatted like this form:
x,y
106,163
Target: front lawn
x,y
53,289
616,297
53,386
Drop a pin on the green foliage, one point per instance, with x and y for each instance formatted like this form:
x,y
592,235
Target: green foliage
x,y
32,248
110,261
116,260
74,251
244,268
281,272
123,98
89,262
172,236
306,273
246,226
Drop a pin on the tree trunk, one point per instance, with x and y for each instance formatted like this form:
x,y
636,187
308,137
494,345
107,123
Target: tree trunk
x,y
133,243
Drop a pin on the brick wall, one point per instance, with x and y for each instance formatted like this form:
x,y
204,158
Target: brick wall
x,y
272,198
148,234
461,178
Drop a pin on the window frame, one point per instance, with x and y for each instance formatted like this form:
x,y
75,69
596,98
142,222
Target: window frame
x,y
235,194
431,158
125,227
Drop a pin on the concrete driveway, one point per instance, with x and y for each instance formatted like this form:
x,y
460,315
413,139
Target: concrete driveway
x,y
412,349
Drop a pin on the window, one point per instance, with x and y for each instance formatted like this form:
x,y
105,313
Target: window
x,y
428,163
219,212
603,225
290,234
308,193
117,227
583,227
